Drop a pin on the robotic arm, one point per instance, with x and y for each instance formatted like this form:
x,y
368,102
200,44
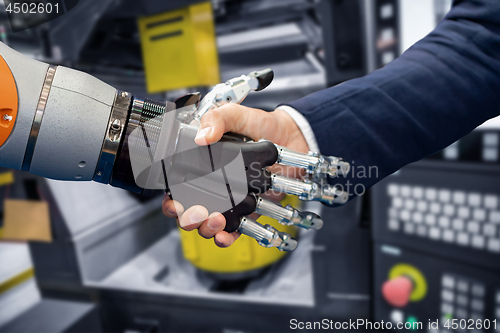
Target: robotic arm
x,y
63,124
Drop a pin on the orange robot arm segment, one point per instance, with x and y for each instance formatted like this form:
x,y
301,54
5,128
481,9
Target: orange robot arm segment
x,y
8,101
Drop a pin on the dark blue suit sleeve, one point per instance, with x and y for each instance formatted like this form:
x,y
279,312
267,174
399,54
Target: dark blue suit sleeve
x,y
433,94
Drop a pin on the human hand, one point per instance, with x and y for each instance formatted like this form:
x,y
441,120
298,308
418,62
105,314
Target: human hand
x,y
276,126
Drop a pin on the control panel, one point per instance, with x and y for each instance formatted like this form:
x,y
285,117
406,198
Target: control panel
x,y
440,208
436,230
416,288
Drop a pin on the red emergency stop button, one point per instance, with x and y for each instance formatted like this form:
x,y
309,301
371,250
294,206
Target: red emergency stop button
x,y
397,291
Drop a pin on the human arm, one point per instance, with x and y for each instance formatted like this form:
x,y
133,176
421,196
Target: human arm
x,y
435,93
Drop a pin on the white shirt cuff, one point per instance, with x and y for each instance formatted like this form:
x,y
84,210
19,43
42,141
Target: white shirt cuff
x,y
303,125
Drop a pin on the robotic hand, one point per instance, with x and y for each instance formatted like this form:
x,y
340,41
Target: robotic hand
x,y
63,124
257,156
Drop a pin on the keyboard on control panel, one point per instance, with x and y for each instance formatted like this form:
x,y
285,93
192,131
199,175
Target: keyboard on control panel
x,y
467,219
462,298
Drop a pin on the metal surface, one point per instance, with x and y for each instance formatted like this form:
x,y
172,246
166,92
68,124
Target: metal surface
x,y
161,270
114,133
276,43
314,163
273,210
267,236
93,222
308,284
79,21
122,173
307,190
37,121
148,116
71,317
294,186
74,125
232,91
288,215
135,113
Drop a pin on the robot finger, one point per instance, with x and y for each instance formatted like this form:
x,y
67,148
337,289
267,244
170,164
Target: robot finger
x,y
317,165
288,215
232,91
266,236
308,190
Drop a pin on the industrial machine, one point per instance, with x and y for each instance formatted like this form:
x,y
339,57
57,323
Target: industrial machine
x,y
360,36
436,238
121,251
131,260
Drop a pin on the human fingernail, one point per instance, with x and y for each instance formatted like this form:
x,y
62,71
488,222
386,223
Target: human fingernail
x,y
171,210
198,215
218,242
201,135
214,223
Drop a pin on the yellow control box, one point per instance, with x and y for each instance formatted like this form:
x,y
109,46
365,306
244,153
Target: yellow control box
x,y
179,48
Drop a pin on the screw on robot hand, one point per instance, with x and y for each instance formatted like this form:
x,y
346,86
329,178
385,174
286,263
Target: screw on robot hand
x,y
288,215
267,236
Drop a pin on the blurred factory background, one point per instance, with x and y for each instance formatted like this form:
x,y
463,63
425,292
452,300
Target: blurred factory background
x,y
85,257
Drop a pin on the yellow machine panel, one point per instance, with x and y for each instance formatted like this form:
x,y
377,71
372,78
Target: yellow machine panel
x,y
179,48
243,256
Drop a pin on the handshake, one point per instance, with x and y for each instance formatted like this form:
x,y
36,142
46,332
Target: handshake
x,y
221,163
